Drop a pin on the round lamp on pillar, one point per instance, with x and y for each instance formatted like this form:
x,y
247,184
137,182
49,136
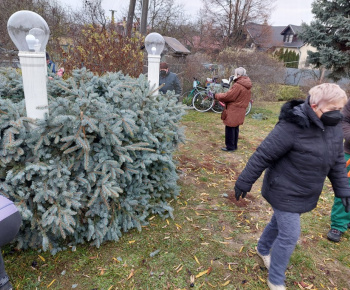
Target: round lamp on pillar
x,y
30,33
154,44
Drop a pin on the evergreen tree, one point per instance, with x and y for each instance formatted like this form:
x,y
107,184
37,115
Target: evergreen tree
x,y
289,57
97,166
330,34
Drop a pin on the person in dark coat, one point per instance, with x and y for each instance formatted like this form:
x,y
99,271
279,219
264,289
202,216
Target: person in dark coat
x,y
10,221
302,150
236,101
340,219
169,79
51,67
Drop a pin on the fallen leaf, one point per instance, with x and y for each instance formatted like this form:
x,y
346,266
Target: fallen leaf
x,y
226,283
131,242
202,273
51,283
197,260
303,284
131,274
42,258
261,279
179,269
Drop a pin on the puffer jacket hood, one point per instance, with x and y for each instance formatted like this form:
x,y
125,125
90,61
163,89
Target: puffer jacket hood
x,y
245,82
298,155
300,113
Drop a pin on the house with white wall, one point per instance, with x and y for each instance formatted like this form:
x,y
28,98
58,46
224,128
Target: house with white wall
x,y
274,38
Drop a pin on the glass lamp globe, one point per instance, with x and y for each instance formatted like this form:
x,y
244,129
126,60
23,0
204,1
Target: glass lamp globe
x,y
154,43
28,31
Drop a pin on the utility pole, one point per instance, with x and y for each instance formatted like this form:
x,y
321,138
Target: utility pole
x,y
112,20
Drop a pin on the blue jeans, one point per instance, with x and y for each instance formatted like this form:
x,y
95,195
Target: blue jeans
x,y
279,239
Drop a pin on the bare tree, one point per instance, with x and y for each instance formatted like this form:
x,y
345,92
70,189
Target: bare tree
x,y
144,15
229,17
131,14
56,16
91,13
164,14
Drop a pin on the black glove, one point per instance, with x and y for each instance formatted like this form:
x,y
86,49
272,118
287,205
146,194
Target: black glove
x,y
345,201
239,193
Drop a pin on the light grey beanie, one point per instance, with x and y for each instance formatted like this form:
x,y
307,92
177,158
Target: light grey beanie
x,y
240,71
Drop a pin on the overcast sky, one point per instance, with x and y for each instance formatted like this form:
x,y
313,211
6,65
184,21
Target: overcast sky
x,y
286,11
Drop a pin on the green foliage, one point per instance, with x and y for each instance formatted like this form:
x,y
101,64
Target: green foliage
x,y
287,93
97,166
330,34
289,57
276,92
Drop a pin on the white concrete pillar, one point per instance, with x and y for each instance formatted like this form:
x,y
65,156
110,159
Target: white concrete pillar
x,y
153,72
34,74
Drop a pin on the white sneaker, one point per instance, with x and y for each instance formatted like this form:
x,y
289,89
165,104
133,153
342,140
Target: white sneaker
x,y
275,287
266,259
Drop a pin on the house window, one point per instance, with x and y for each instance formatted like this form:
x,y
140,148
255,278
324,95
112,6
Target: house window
x,y
288,38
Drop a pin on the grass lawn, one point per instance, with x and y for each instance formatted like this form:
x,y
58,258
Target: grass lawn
x,y
212,237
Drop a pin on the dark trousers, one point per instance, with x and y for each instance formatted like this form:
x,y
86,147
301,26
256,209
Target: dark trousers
x,y
8,230
231,137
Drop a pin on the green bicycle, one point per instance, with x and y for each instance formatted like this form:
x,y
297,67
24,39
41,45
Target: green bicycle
x,y
187,96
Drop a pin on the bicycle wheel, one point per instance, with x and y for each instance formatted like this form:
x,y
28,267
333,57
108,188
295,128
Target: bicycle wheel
x,y
218,107
187,97
202,102
247,111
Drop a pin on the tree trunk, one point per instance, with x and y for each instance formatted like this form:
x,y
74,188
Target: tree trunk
x,y
144,15
130,17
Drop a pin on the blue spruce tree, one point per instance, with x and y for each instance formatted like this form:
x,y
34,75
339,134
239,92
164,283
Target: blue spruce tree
x,y
330,34
96,167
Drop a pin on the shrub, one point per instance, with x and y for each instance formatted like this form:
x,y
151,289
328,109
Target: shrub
x,y
104,51
287,93
276,92
97,166
261,67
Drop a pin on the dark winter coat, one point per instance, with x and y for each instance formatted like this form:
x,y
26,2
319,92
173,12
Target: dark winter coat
x,y
7,208
171,83
236,100
346,126
298,154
